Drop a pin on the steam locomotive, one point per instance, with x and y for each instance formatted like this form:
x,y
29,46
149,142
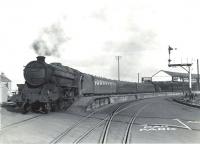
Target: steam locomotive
x,y
53,86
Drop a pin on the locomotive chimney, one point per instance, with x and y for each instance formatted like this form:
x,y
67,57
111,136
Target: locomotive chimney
x,y
41,59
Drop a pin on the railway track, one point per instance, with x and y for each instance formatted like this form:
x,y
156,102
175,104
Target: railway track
x,y
64,133
18,123
127,135
107,126
77,124
126,138
108,117
107,121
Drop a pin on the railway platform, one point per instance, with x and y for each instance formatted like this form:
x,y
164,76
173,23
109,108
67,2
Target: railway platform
x,y
193,102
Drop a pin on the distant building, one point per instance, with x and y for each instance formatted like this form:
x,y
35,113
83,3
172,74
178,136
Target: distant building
x,y
146,79
5,88
163,75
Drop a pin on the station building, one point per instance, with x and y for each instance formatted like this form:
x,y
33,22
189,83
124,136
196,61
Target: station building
x,y
174,81
5,88
163,75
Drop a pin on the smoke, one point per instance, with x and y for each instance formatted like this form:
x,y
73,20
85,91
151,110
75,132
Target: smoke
x,y
49,41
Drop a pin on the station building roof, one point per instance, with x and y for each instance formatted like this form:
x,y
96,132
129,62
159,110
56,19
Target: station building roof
x,y
3,78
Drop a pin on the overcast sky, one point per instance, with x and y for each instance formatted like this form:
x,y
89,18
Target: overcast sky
x,y
92,32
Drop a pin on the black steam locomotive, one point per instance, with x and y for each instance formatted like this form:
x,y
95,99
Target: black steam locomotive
x,y
53,86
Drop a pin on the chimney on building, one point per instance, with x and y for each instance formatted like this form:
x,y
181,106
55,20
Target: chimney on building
x,y
2,74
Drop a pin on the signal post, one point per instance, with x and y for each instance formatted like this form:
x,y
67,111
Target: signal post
x,y
185,66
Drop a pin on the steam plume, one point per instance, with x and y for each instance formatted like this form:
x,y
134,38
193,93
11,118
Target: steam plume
x,y
50,40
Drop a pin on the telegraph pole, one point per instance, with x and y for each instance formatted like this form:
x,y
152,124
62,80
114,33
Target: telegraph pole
x,y
118,58
198,74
